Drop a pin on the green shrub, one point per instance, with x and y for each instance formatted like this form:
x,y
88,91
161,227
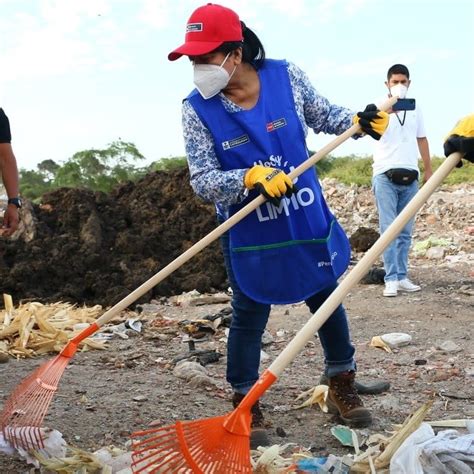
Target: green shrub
x,y
170,163
358,170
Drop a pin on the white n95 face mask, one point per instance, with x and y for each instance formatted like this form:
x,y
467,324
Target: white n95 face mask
x,y
399,90
210,79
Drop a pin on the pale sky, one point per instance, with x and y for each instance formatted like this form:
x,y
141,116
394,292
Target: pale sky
x,y
79,74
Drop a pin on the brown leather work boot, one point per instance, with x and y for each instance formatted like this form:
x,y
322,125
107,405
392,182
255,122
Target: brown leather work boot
x,y
258,434
344,400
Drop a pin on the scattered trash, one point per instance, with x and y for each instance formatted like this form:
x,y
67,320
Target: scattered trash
x,y
116,459
134,324
125,329
194,373
267,338
34,328
377,456
317,395
346,436
194,298
204,357
224,314
331,464
54,446
396,339
199,328
271,460
423,451
378,342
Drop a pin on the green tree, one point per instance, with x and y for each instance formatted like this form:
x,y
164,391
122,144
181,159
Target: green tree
x,y
100,170
95,169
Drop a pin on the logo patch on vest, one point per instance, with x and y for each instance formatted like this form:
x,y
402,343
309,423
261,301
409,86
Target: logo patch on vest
x,y
276,124
235,142
193,27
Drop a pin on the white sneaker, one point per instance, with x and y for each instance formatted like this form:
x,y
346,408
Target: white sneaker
x,y
408,286
391,288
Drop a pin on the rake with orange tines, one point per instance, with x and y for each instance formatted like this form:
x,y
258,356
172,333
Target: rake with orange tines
x,y
221,445
25,409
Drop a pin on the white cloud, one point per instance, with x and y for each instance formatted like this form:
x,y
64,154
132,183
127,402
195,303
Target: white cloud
x,y
68,16
326,68
60,37
321,11
155,13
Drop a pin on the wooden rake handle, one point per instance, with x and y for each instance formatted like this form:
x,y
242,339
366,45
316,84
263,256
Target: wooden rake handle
x,y
337,296
215,234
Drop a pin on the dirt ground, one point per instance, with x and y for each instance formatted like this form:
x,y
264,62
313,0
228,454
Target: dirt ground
x,y
106,395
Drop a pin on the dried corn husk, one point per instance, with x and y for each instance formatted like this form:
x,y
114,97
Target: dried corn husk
x,y
377,341
8,301
377,458
33,328
272,460
317,395
78,462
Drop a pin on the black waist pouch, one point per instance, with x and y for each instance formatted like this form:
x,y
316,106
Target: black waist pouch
x,y
401,175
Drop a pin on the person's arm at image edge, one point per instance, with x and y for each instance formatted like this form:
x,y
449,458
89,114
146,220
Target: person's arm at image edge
x,y
9,171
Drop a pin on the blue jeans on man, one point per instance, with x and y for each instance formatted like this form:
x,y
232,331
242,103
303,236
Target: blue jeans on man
x,y
391,198
249,319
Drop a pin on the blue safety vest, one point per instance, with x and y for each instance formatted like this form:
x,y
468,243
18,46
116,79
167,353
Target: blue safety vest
x,y
286,253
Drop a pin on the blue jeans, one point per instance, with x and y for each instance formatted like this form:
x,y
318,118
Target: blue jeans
x,y
249,319
391,199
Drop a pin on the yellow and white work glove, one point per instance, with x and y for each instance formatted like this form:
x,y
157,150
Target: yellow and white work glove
x,y
372,121
273,183
461,138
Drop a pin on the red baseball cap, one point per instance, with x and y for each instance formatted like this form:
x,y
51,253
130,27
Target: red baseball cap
x,y
208,27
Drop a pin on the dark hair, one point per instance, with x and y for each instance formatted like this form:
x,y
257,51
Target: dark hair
x,y
398,69
252,48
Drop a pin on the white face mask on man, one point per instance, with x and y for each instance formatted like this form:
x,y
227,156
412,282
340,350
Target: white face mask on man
x,y
210,79
399,90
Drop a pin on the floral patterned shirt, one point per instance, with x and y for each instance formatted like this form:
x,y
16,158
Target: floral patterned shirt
x,y
225,188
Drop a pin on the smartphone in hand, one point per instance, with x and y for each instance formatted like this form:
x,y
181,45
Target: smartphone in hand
x,y
404,104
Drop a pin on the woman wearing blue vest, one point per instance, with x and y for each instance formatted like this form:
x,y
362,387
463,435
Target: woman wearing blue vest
x,y
245,126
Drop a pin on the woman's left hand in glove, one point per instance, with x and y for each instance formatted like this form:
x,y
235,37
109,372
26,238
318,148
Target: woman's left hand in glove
x,y
372,121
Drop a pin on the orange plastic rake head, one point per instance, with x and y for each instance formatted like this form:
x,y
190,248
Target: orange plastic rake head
x,y
218,445
25,409
28,404
197,447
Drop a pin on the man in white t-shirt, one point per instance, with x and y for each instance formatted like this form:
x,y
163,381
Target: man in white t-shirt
x,y
395,178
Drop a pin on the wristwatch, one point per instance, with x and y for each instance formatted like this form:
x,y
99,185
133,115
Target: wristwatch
x,y
15,201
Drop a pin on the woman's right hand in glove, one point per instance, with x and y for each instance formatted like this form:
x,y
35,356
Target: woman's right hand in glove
x,y
273,183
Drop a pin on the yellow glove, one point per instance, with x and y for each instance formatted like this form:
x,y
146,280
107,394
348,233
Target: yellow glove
x,y
461,138
372,121
271,182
